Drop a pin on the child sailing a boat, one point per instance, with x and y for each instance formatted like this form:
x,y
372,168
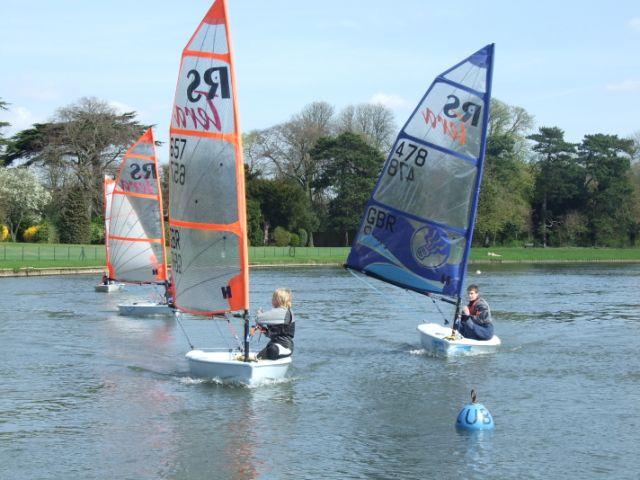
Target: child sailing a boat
x,y
279,325
475,322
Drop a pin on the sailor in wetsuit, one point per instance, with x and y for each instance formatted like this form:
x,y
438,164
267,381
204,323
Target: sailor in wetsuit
x,y
279,325
475,322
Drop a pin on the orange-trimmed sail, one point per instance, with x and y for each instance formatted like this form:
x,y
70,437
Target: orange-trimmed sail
x,y
136,234
207,214
109,185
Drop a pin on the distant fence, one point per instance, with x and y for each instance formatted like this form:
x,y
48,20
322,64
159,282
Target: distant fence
x,y
338,253
89,254
95,254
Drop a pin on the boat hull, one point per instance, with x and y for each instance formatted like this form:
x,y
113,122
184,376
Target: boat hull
x,y
110,288
434,341
223,366
144,309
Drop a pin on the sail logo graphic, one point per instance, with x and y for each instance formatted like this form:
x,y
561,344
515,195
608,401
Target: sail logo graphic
x,y
458,115
146,170
143,176
430,246
210,87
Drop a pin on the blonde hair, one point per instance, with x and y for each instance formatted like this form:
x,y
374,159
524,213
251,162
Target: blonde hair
x,y
282,298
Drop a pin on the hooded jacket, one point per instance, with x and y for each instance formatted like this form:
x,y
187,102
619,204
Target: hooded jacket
x,y
479,312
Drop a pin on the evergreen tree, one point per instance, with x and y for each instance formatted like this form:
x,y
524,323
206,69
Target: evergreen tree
x,y
559,178
351,168
74,224
504,205
606,161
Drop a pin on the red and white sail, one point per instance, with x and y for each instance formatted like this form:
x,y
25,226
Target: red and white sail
x,y
136,233
109,185
207,206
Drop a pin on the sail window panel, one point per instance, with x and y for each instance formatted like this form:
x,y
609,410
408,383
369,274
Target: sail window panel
x,y
210,38
135,261
204,262
427,183
205,190
145,149
450,118
204,97
135,217
472,73
148,211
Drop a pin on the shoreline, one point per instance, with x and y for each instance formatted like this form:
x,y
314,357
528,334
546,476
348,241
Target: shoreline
x,y
39,272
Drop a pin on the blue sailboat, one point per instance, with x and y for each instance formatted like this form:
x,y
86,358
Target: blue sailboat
x,y
418,224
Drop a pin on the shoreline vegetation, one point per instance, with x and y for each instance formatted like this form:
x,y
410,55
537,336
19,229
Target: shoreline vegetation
x,y
26,259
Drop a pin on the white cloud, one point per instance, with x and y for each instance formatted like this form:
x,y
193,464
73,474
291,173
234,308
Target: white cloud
x,y
628,86
389,100
20,118
121,107
635,23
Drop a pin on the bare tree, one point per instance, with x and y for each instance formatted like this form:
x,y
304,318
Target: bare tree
x,y
287,146
373,121
509,119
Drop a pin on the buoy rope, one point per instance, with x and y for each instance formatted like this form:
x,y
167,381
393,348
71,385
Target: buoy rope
x,y
177,314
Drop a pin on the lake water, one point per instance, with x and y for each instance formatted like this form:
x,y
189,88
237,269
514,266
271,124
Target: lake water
x,y
86,394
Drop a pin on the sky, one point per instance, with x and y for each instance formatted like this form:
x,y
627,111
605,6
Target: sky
x,y
571,64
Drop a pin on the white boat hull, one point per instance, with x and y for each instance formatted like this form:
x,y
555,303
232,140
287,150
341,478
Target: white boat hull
x,y
144,309
434,341
112,287
223,366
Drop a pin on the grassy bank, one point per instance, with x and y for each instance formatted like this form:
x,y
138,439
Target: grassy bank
x,y
562,254
23,255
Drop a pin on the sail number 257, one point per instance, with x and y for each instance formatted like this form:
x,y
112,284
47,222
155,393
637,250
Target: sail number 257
x,y
176,151
405,157
176,257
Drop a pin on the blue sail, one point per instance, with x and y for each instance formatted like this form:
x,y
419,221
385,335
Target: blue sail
x,y
417,227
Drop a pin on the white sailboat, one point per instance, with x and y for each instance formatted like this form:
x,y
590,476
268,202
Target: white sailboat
x,y
418,224
207,215
108,285
136,235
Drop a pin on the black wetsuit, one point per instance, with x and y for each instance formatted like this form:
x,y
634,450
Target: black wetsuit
x,y
281,327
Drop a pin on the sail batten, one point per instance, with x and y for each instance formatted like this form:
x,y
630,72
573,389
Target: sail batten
x,y
207,215
136,235
418,223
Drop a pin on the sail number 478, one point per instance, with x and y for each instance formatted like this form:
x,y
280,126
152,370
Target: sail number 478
x,y
406,154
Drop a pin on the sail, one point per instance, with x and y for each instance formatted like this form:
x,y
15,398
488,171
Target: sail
x,y
136,233
207,216
417,228
109,185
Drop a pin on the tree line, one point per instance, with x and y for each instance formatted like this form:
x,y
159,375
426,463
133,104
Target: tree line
x,y
308,179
